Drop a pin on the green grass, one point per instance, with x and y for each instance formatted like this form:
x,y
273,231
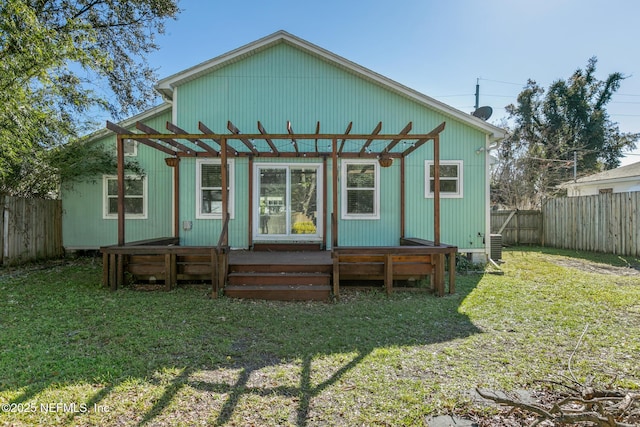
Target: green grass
x,y
179,358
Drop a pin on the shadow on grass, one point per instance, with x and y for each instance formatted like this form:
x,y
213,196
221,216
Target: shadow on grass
x,y
59,331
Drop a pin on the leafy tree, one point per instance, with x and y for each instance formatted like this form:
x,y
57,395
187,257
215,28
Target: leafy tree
x,y
549,127
62,59
41,172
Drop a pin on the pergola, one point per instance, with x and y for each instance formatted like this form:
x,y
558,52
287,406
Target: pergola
x,y
180,143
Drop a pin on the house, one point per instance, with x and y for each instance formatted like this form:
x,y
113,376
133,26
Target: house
x,y
620,180
313,149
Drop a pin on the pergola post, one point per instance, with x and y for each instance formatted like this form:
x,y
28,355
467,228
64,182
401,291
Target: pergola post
x,y
250,216
225,195
438,258
436,190
174,163
324,200
121,187
403,210
334,208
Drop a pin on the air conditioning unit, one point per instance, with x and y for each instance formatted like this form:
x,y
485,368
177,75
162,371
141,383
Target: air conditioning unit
x,y
496,246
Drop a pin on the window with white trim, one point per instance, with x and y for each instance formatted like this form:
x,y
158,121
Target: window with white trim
x,y
130,147
135,197
209,188
360,189
450,178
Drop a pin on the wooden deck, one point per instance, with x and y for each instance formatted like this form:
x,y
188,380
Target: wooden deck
x,y
281,275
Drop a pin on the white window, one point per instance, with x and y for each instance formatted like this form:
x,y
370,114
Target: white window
x,y
135,197
130,147
360,189
450,179
209,188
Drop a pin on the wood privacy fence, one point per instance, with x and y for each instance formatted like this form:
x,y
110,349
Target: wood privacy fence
x,y
606,223
30,229
518,227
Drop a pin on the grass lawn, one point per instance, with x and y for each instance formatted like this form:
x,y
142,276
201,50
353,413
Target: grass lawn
x,y
73,353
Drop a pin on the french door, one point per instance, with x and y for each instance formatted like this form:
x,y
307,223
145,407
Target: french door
x,y
287,202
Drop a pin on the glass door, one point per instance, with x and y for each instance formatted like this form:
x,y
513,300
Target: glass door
x,y
272,201
303,184
287,202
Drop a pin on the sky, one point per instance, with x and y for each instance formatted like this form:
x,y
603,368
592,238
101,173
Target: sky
x,y
441,48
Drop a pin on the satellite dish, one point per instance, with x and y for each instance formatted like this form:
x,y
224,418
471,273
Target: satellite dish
x,y
483,112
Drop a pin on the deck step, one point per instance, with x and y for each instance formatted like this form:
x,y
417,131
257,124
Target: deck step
x,y
279,275
280,292
282,279
280,268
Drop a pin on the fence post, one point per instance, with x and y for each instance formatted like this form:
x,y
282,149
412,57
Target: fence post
x,y
3,229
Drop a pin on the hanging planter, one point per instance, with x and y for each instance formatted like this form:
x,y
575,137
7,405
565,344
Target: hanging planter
x,y
385,160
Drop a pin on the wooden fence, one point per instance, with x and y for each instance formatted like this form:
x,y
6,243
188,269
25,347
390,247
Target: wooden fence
x,y
606,223
30,229
518,227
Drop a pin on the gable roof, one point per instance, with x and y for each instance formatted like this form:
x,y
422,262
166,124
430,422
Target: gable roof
x,y
618,174
166,86
131,121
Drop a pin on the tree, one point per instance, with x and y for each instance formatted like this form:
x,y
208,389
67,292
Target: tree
x,y
62,59
549,127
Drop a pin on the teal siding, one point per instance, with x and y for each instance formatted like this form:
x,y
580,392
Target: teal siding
x,y
463,220
206,232
83,225
283,84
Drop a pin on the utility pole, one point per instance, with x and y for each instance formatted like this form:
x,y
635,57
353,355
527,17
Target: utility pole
x,y
477,93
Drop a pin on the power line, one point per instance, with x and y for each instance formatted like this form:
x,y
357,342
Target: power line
x,y
503,82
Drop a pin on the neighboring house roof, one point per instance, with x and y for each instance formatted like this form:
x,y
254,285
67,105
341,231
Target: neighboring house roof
x,y
622,173
166,86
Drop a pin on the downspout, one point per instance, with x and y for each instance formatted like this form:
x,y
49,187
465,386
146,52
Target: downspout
x,y
487,180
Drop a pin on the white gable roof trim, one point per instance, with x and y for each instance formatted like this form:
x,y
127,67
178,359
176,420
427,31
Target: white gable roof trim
x,y
131,121
167,85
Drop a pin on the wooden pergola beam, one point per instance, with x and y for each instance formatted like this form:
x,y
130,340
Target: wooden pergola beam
x,y
175,129
395,141
436,131
261,129
146,141
376,131
150,139
345,139
293,140
316,140
148,129
233,129
209,135
277,136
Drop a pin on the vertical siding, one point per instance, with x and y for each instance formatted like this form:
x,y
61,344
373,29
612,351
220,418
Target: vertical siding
x,y
283,84
83,225
463,220
207,231
274,86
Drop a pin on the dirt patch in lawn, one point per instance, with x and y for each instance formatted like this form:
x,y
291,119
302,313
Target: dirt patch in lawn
x,y
594,267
